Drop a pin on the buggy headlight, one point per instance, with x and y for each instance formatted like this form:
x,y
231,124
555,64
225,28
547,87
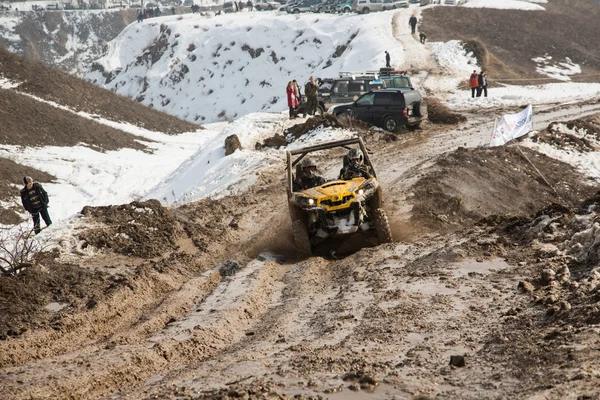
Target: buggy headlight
x,y
360,192
306,201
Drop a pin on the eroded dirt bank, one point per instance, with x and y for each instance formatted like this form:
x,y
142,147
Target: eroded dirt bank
x,y
207,301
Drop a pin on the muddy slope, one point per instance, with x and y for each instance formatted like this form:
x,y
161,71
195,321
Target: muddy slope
x,y
208,301
467,185
567,28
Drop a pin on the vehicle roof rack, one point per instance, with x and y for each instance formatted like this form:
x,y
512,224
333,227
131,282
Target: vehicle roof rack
x,y
344,74
375,74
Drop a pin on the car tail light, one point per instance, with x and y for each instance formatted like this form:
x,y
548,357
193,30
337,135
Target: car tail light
x,y
405,112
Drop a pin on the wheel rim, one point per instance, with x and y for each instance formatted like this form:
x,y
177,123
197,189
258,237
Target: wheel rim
x,y
391,125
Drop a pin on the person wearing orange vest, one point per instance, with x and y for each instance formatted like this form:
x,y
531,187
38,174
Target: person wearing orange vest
x,y
473,83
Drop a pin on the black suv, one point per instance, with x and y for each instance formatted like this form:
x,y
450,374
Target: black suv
x,y
388,109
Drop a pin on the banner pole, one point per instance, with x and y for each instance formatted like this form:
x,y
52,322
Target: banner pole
x,y
538,171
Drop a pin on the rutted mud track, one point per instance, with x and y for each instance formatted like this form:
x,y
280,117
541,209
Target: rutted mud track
x,y
223,310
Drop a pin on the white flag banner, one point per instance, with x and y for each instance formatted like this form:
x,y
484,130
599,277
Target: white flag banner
x,y
512,126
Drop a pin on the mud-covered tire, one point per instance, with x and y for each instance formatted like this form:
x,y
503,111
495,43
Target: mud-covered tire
x,y
320,110
301,239
390,124
382,227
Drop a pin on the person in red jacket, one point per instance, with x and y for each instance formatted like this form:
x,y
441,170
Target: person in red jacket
x,y
291,98
473,83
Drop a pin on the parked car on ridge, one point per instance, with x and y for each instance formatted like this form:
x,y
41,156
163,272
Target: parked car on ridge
x,y
367,6
394,4
262,5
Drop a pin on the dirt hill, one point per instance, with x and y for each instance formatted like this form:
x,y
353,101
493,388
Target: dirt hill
x,y
507,40
53,85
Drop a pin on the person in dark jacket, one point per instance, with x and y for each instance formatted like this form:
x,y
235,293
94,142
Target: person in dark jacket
x,y
309,178
482,84
387,60
35,201
311,90
355,167
412,21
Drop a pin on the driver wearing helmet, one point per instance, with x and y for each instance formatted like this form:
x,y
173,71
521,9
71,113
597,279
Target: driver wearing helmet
x,y
355,167
308,179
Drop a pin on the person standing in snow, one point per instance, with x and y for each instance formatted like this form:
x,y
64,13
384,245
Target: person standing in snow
x,y
412,21
311,90
473,83
35,200
249,5
140,16
482,84
387,60
298,96
290,90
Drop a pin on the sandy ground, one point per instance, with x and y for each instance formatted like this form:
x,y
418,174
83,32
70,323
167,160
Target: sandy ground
x,y
216,306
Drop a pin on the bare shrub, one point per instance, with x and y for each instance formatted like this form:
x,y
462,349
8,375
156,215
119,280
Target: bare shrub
x,y
18,247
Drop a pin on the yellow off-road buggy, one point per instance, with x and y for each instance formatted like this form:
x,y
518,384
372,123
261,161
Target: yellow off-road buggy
x,y
338,207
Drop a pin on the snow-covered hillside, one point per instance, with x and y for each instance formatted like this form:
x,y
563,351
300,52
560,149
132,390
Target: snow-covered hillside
x,y
68,40
208,69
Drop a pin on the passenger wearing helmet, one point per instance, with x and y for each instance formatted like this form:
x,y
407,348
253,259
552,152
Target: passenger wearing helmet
x,y
308,178
355,167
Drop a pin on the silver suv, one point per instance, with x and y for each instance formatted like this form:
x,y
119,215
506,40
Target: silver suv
x,y
367,6
394,4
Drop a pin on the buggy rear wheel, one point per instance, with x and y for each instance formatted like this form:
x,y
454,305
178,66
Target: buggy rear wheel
x,y
301,239
382,227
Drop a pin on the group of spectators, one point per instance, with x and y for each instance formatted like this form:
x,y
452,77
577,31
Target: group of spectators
x,y
294,97
478,84
240,5
149,13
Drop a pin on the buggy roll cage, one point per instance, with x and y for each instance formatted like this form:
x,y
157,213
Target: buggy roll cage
x,y
304,151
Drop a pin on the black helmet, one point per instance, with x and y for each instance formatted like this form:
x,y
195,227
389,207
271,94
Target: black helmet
x,y
308,167
355,157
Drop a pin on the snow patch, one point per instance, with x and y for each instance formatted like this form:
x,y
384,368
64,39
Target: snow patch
x,y
556,69
507,4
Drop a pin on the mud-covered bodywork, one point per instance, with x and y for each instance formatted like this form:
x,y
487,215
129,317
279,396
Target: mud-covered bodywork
x,y
338,207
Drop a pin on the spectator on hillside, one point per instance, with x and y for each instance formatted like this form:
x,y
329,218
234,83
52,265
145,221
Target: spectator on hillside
x,y
298,96
473,83
173,10
311,90
140,16
387,60
412,21
157,12
35,201
249,5
241,5
422,37
290,91
482,84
